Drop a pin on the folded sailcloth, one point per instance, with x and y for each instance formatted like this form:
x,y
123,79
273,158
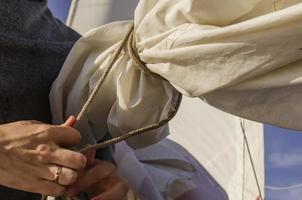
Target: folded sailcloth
x,y
243,57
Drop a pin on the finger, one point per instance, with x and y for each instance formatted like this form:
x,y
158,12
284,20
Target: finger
x,y
28,179
70,121
53,154
96,173
61,135
90,155
104,184
68,158
116,192
44,187
66,177
50,189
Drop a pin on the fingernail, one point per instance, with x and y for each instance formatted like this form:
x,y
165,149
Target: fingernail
x,y
70,121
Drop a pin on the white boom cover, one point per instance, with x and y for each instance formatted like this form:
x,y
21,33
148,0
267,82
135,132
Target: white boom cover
x,y
214,138
238,56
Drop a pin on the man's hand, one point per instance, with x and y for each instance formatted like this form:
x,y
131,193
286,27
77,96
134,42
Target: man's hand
x,y
99,180
30,153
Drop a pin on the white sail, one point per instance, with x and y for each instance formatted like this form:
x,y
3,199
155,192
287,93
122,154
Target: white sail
x,y
214,138
87,14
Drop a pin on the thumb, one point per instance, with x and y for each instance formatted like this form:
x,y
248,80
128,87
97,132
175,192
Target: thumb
x,y
70,121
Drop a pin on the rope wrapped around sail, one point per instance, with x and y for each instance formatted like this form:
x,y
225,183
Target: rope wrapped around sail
x,y
128,41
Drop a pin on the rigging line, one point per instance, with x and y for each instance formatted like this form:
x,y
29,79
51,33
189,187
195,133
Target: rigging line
x,y
250,157
275,188
72,12
243,169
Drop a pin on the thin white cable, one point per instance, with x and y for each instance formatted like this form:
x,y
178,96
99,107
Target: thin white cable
x,y
275,188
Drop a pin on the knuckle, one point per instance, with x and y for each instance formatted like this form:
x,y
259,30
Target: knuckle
x,y
46,127
41,158
43,153
80,160
44,148
50,130
70,177
26,122
52,172
34,122
46,131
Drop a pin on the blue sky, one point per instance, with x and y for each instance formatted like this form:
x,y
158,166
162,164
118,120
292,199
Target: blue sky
x,y
283,159
59,8
283,148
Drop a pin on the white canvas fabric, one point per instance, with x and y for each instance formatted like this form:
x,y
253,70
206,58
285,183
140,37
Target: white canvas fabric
x,y
212,162
211,138
214,138
243,57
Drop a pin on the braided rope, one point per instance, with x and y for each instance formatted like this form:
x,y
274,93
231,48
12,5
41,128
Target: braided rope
x,y
104,76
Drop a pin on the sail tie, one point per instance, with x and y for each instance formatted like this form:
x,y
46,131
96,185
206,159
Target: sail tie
x,y
129,42
133,52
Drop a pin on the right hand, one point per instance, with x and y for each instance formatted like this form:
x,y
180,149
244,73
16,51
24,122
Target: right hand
x,y
30,152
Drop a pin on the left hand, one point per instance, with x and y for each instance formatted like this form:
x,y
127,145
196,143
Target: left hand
x,y
99,180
